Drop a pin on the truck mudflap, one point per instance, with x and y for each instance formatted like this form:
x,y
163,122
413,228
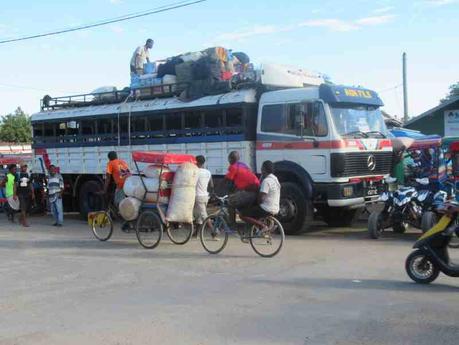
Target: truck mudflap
x,y
353,194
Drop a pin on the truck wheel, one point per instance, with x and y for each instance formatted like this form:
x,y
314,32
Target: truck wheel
x,y
296,211
375,228
340,217
89,201
429,219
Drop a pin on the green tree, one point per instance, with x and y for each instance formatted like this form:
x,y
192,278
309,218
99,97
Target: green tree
x,y
16,127
453,93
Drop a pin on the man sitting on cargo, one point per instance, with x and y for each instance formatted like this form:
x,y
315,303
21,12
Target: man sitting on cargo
x,y
140,57
244,184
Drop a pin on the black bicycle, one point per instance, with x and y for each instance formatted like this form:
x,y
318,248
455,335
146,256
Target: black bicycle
x,y
215,231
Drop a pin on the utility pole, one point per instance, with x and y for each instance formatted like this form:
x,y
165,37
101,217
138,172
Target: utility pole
x,y
405,91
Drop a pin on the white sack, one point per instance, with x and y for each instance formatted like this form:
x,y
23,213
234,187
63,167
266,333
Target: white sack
x,y
133,187
129,208
181,202
153,171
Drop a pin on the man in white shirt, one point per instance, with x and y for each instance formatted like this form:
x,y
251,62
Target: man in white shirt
x,y
202,194
268,197
140,57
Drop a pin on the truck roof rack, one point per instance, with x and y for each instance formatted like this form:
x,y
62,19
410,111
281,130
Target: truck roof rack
x,y
49,103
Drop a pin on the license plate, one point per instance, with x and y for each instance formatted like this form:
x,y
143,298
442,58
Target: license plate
x,y
372,191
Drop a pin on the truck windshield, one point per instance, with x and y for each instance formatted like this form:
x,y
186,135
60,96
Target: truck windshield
x,y
359,121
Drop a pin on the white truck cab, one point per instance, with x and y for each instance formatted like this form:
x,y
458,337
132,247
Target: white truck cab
x,y
329,144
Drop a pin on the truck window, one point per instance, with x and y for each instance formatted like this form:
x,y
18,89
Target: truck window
x,y
272,118
315,123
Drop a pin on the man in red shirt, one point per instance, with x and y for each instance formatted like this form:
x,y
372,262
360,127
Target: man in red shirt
x,y
244,184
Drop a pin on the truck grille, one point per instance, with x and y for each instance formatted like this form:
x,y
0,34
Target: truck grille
x,y
357,163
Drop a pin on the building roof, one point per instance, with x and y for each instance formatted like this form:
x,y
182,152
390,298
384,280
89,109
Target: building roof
x,y
433,110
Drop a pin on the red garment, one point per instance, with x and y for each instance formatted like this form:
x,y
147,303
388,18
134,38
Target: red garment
x,y
242,177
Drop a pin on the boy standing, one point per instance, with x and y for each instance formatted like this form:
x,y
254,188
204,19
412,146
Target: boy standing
x,y
25,194
202,194
55,190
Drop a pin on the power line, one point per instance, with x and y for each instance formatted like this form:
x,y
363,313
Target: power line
x,y
164,8
390,88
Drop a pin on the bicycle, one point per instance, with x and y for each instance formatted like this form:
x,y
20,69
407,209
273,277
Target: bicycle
x,y
266,242
101,222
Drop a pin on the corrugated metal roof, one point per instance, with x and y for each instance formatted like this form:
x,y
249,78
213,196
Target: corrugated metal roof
x,y
433,110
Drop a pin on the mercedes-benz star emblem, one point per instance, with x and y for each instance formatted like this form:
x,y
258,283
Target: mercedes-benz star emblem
x,y
371,163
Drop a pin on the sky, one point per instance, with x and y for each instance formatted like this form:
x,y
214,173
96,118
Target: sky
x,y
353,42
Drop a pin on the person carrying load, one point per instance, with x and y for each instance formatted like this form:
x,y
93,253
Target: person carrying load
x,y
140,57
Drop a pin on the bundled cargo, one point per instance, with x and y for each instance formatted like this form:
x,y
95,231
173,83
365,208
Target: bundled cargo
x,y
129,208
135,188
181,202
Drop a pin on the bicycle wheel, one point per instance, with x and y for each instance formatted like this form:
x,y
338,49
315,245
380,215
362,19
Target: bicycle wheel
x,y
267,242
102,226
213,234
149,229
180,233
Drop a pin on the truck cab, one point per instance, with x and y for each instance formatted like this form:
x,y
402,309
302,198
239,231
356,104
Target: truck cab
x,y
330,147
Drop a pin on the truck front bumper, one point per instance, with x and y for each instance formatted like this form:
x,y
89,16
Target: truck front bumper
x,y
351,194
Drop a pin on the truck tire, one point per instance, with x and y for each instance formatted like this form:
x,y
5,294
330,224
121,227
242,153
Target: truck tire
x,y
340,217
88,200
296,211
375,228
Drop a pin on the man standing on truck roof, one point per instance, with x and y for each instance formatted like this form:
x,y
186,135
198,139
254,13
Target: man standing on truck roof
x,y
119,171
140,57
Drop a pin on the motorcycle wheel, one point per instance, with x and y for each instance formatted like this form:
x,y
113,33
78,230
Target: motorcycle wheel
x,y
420,268
400,228
375,228
429,219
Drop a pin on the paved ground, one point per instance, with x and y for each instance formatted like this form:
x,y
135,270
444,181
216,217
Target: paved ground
x,y
61,286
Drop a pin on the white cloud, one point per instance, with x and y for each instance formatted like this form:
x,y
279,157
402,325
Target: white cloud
x,y
331,24
375,20
384,9
254,31
117,29
441,2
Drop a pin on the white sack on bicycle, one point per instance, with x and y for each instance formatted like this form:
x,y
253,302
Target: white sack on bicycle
x,y
129,208
153,171
181,202
133,187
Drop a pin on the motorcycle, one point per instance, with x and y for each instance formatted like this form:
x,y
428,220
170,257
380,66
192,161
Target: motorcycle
x,y
402,207
431,255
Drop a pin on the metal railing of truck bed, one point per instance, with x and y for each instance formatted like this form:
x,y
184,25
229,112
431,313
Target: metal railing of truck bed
x,y
145,93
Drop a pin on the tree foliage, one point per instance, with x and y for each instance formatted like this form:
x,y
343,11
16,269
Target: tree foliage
x,y
453,93
16,127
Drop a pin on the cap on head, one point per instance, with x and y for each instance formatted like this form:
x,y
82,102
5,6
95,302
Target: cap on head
x,y
200,160
112,155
